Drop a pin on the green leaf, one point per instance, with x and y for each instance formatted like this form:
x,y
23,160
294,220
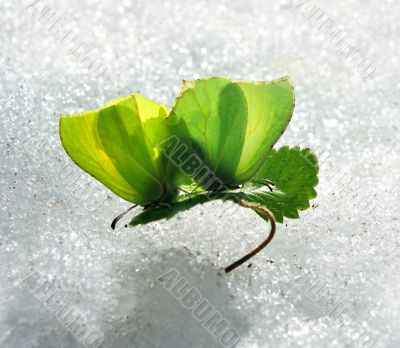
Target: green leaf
x,y
292,171
166,211
270,108
118,145
233,125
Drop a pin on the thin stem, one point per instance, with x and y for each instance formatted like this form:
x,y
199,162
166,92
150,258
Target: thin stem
x,y
267,183
114,222
272,220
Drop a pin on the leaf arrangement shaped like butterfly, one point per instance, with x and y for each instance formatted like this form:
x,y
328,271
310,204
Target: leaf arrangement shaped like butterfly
x,y
216,142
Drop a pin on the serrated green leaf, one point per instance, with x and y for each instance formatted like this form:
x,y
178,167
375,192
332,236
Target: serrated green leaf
x,y
294,174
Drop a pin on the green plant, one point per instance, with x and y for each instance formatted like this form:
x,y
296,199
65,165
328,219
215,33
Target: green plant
x,y
215,143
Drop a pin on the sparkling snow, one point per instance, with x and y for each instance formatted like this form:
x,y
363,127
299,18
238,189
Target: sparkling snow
x,y
330,279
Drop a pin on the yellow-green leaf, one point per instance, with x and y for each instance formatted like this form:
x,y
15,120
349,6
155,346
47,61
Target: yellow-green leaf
x,y
118,145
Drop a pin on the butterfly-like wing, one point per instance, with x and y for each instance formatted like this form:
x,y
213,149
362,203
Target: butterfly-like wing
x,y
233,125
215,113
117,144
270,108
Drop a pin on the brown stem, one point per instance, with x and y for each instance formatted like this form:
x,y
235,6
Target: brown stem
x,y
271,218
114,222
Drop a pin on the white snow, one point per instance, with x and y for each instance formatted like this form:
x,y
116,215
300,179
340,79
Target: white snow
x,y
342,258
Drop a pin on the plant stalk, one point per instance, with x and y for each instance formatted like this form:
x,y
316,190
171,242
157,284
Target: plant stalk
x,y
271,218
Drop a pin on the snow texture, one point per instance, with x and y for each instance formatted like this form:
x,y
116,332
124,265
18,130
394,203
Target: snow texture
x,y
329,279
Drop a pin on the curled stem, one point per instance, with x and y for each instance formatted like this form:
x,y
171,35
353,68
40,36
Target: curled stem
x,y
120,216
272,220
267,183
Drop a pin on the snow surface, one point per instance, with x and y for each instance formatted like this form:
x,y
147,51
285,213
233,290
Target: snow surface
x,y
334,278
